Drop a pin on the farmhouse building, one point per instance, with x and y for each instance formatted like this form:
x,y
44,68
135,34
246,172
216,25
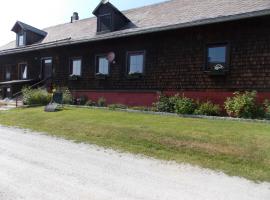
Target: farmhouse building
x,y
202,49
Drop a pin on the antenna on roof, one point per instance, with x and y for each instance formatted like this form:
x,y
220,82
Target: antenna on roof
x,y
104,1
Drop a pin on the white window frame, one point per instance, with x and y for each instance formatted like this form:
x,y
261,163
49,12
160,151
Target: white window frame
x,y
105,68
21,39
131,64
78,70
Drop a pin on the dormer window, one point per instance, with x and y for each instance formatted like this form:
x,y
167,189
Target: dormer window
x,y
21,40
27,35
105,23
109,18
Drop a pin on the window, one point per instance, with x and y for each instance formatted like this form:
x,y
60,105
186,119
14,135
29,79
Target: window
x,y
102,65
135,62
23,71
8,74
104,23
20,39
217,58
48,61
76,65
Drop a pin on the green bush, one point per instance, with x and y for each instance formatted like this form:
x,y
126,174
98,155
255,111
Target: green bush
x,y
267,109
90,103
36,96
117,106
166,103
244,106
101,102
208,108
185,105
67,96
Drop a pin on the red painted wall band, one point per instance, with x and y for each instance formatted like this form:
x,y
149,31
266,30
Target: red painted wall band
x,y
148,98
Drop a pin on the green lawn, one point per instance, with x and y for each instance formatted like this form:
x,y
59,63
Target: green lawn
x,y
236,148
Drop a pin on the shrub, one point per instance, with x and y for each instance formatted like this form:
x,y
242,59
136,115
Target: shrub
x,y
101,102
67,96
166,103
36,96
90,103
208,108
117,106
267,109
244,105
185,105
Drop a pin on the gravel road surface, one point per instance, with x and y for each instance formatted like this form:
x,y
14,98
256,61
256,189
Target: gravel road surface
x,y
39,167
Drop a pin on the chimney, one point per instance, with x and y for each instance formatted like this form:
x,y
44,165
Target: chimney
x,y
74,17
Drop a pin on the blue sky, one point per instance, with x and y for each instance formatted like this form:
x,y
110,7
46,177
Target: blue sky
x,y
52,12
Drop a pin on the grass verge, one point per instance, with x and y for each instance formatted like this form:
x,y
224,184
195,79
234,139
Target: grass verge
x,y
236,148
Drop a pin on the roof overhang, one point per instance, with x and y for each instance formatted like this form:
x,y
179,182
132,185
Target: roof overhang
x,y
135,31
20,25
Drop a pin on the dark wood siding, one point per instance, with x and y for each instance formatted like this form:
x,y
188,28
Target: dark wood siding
x,y
174,60
32,38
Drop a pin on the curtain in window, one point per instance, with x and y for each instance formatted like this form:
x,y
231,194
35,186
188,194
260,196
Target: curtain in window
x,y
76,67
8,73
21,40
136,64
24,71
103,65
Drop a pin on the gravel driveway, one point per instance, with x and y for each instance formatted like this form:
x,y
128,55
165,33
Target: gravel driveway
x,y
35,166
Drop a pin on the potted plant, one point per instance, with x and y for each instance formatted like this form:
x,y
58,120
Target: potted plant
x,y
73,77
134,74
218,69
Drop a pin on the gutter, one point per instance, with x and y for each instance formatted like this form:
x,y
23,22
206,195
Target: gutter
x,y
134,32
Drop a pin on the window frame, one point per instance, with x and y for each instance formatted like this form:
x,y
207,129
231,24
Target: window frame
x,y
97,65
99,23
20,71
18,39
130,53
227,55
71,65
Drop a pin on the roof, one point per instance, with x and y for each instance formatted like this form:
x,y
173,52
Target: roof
x,y
168,15
28,28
